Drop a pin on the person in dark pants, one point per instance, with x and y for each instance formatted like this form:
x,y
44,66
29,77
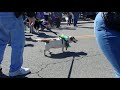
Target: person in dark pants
x,y
46,16
58,17
12,31
69,18
76,17
108,40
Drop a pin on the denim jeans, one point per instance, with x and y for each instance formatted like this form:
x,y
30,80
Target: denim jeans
x,y
12,30
109,42
76,17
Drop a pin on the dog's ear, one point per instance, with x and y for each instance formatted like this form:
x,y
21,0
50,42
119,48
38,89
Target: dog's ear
x,y
71,37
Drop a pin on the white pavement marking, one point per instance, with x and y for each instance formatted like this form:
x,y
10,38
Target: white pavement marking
x,y
85,36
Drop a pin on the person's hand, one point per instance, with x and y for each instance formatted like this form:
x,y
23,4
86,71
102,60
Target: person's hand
x,y
31,20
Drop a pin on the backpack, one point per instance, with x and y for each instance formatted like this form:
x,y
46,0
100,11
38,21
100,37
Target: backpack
x,y
112,20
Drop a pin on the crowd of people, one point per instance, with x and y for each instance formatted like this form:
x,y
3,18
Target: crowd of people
x,y
52,19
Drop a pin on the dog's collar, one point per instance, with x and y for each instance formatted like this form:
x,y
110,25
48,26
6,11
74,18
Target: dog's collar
x,y
63,37
66,39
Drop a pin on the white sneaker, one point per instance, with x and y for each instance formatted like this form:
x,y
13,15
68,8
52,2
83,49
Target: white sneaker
x,y
21,71
0,67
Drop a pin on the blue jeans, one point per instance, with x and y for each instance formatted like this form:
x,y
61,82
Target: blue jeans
x,y
109,42
12,30
76,17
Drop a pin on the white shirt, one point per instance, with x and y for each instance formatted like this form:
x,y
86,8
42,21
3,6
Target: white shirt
x,y
46,13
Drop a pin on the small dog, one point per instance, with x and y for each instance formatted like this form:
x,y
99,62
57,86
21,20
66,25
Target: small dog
x,y
57,43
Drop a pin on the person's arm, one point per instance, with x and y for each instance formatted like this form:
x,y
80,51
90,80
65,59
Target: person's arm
x,y
31,17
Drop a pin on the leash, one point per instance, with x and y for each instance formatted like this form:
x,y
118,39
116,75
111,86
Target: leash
x,y
48,29
71,67
40,22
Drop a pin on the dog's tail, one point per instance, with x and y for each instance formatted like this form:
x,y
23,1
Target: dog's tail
x,y
43,40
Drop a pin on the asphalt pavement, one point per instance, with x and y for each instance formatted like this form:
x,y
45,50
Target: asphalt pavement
x,y
82,60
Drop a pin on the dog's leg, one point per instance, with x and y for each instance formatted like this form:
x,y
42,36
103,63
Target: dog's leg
x,y
47,48
63,49
50,52
44,52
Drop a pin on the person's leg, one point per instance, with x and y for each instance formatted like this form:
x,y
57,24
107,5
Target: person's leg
x,y
70,20
75,21
2,49
16,29
109,43
77,17
4,38
57,22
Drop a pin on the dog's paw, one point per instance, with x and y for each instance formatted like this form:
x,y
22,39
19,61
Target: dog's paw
x,y
50,53
45,55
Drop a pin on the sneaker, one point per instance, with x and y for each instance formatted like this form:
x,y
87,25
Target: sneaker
x,y
20,72
0,68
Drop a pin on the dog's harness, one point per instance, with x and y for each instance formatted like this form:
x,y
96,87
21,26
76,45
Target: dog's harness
x,y
65,38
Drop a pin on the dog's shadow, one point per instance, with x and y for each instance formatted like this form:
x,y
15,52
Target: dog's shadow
x,y
66,54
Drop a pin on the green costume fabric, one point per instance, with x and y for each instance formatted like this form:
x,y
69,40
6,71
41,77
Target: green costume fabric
x,y
66,40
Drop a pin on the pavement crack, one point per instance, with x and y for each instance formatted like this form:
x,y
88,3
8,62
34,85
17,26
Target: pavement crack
x,y
53,64
40,75
37,72
44,66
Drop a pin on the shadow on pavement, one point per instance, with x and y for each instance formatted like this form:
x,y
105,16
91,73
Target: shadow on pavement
x,y
43,35
86,22
30,39
66,54
3,75
88,27
28,35
67,28
29,45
